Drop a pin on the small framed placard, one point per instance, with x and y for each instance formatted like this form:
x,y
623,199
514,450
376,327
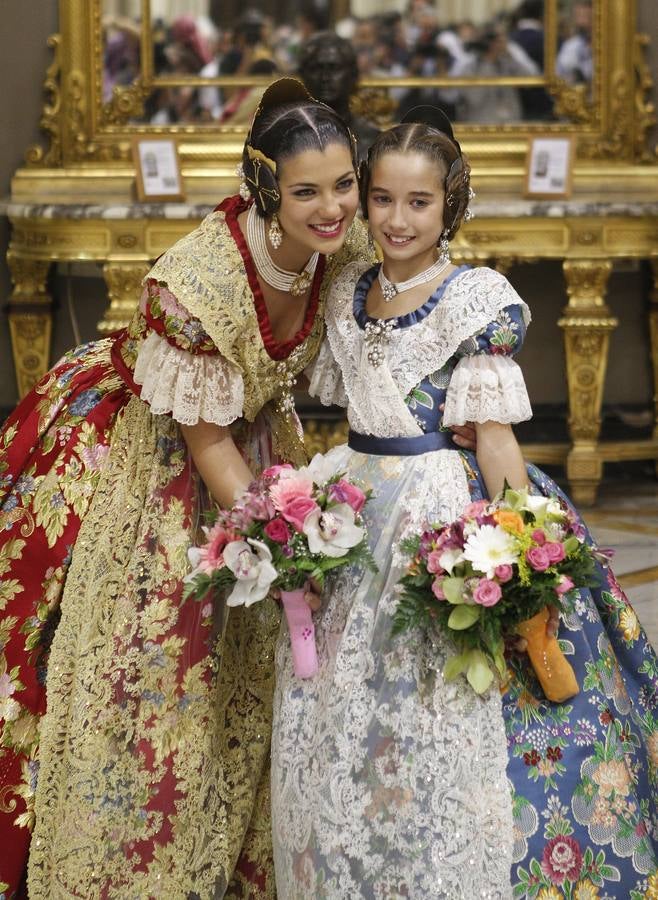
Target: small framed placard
x,y
157,169
549,165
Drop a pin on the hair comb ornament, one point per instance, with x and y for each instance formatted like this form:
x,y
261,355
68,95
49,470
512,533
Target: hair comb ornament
x,y
434,117
262,184
255,155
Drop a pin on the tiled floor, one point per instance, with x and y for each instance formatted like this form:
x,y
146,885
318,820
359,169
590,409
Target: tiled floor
x,y
626,519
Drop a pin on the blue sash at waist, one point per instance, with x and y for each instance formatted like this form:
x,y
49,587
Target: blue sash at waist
x,y
400,446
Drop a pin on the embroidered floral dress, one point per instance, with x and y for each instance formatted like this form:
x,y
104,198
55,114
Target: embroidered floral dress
x,y
388,782
148,776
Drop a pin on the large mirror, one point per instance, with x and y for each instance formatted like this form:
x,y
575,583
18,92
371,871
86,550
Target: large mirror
x,y
502,69
519,44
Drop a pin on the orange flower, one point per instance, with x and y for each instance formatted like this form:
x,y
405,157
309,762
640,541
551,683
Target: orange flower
x,y
509,520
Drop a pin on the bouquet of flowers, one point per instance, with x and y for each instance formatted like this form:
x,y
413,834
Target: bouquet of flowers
x,y
493,573
291,525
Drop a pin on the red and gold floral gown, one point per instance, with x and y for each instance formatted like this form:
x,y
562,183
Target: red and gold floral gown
x,y
148,775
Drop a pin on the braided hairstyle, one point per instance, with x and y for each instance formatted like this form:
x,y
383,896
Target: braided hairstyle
x,y
426,130
282,131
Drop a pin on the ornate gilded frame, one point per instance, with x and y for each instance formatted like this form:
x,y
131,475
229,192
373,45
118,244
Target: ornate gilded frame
x,y
90,140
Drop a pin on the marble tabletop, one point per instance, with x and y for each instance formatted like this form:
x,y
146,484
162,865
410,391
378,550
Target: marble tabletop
x,y
486,207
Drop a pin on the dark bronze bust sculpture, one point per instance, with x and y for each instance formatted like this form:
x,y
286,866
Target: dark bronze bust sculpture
x,y
327,66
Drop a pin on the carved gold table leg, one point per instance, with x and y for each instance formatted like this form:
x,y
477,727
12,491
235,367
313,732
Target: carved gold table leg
x,y
30,319
124,287
653,328
587,324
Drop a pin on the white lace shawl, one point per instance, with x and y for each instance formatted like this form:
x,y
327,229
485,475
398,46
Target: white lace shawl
x,y
189,386
375,395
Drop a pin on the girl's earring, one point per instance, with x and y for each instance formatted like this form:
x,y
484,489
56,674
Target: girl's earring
x,y
444,247
371,242
275,234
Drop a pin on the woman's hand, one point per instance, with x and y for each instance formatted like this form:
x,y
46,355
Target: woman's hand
x,y
218,461
312,596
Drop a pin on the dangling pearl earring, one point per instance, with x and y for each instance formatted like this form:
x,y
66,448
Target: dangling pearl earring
x,y
274,233
243,190
371,242
444,247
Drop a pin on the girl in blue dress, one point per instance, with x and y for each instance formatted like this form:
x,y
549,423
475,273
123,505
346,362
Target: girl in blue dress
x,y
387,781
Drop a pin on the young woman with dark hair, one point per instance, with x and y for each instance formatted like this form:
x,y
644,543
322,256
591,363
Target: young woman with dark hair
x,y
146,773
387,780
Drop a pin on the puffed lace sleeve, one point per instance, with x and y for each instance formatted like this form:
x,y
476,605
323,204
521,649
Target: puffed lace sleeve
x,y
487,385
325,378
179,369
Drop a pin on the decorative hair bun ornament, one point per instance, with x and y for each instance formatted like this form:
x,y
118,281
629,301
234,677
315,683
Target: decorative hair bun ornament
x,y
259,171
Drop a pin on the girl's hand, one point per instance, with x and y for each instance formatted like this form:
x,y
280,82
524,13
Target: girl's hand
x,y
552,628
463,435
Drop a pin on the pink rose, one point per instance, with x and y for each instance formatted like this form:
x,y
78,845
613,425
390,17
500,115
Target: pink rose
x,y
296,510
555,551
437,590
562,859
539,537
487,593
277,531
475,509
344,492
274,471
433,564
292,487
565,585
504,573
538,559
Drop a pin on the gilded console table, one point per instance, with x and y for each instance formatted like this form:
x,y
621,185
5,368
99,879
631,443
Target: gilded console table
x,y
585,233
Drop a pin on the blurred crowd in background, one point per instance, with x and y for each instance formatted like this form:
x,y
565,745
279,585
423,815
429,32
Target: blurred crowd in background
x,y
393,45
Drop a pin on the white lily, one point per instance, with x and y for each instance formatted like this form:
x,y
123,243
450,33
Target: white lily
x,y
449,559
536,504
333,531
253,570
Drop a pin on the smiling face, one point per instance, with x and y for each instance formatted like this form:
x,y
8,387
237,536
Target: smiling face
x,y
405,208
319,198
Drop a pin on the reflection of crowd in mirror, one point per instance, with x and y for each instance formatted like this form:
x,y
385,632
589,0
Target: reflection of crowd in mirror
x,y
417,42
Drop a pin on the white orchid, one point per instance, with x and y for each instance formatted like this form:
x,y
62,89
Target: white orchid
x,y
253,570
488,548
333,531
320,469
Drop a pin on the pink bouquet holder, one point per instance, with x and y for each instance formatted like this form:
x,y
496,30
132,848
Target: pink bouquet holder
x,y
302,633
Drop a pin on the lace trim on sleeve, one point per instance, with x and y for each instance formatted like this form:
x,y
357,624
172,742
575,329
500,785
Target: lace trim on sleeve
x,y
486,388
325,378
190,387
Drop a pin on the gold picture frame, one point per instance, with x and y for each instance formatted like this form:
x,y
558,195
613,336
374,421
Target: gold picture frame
x,y
89,136
549,167
158,174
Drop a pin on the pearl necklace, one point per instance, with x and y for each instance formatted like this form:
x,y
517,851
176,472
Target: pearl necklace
x,y
391,289
296,283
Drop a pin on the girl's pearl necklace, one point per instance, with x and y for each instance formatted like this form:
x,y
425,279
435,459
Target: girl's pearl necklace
x,y
391,289
296,283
